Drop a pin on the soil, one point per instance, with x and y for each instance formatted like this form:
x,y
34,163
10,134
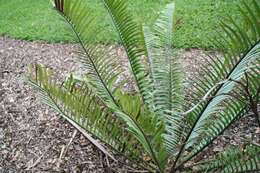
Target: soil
x,y
32,136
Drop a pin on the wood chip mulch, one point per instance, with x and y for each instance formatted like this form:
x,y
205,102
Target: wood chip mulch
x,y
32,136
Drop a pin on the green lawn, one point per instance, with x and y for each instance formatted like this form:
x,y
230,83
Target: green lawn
x,y
35,19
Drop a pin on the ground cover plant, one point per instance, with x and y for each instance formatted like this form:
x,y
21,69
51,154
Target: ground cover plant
x,y
161,126
34,20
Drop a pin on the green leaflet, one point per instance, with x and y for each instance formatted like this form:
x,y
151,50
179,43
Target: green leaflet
x,y
233,160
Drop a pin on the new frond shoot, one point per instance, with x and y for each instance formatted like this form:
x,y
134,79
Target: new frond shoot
x,y
157,126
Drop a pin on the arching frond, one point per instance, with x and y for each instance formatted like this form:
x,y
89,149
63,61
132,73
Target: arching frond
x,y
221,93
165,67
166,75
233,160
101,67
78,103
132,38
234,108
98,62
222,78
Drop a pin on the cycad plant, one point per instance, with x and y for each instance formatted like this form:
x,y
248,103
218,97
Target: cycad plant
x,y
158,126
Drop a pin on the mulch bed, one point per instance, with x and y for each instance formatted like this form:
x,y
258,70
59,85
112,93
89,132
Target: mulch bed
x,y
32,136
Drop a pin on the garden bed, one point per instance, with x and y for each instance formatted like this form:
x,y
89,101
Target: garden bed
x,y
34,138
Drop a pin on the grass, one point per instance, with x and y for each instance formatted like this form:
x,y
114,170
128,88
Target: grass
x,y
35,19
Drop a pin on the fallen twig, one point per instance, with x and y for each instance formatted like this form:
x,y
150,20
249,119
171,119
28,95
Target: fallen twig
x,y
65,149
107,160
90,138
30,166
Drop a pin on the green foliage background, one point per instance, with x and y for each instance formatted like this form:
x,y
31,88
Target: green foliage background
x,y
35,20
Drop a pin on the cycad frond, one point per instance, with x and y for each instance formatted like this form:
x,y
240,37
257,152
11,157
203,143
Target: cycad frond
x,y
99,63
165,68
233,109
78,103
132,38
233,160
220,82
166,76
237,61
221,93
